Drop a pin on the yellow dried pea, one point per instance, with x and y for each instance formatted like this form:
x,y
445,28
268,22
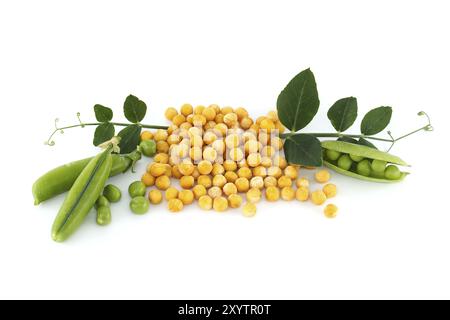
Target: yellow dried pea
x,y
288,194
148,179
173,139
246,123
215,192
242,184
209,154
161,158
236,154
205,181
195,174
217,169
178,120
160,135
162,146
176,173
229,188
270,182
284,181
185,125
171,193
219,181
230,119
259,171
196,153
205,202
249,210
156,169
322,176
330,211
234,200
175,205
272,194
241,113
318,197
274,172
209,113
277,143
254,159
266,162
229,165
198,120
162,182
187,182
330,190
204,167
186,109
257,182
245,172
220,204
209,137
291,172
155,196
302,182
302,193
231,176
253,195
199,191
186,168
279,161
199,109
226,110
146,135
170,113
186,196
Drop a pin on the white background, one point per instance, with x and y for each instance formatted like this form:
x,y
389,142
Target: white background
x,y
60,57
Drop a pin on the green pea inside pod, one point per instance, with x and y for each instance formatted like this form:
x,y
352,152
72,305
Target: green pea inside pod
x,y
332,154
363,162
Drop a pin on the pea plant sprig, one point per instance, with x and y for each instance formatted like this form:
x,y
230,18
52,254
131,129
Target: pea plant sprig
x,y
134,111
297,105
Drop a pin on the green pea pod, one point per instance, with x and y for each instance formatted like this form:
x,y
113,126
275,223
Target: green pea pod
x,y
61,179
363,152
82,196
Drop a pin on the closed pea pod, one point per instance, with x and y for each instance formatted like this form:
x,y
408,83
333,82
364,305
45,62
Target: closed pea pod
x,y
369,158
82,196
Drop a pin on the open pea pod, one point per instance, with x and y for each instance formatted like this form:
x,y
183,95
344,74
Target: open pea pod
x,y
363,152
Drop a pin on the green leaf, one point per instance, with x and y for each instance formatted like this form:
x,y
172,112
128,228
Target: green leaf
x,y
303,149
366,143
103,132
298,103
130,138
376,120
343,113
103,114
134,109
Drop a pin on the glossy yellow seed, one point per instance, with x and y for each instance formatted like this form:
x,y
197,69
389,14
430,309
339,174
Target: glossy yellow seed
x,y
220,204
291,172
302,182
170,113
257,182
186,109
279,161
148,179
236,154
198,120
246,123
157,169
259,172
189,119
219,181
234,200
330,190
205,202
245,172
276,143
186,196
175,205
199,190
178,120
172,128
155,196
209,125
287,194
330,211
242,184
205,181
274,172
230,119
229,165
266,162
171,193
263,137
270,182
302,194
322,176
231,176
186,125
196,140
252,147
242,164
253,195
249,135
318,197
187,182
146,135
229,188
162,182
221,128
209,154
204,167
209,137
249,210
168,170
173,139
209,113
272,194
232,141
219,146
241,113
199,109
226,110
196,153
162,146
254,159
161,158
284,181
215,192
160,135
217,169
186,168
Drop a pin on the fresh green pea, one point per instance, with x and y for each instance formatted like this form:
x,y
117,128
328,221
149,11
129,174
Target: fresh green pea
x,y
136,189
392,173
377,174
378,165
363,168
103,216
333,155
356,158
148,148
112,193
344,162
102,201
139,205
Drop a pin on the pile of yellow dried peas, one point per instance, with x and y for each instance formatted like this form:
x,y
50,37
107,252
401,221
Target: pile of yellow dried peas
x,y
218,153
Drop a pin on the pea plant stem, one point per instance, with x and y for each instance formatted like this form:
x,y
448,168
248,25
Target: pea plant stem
x,y
337,135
